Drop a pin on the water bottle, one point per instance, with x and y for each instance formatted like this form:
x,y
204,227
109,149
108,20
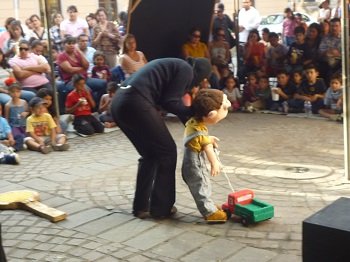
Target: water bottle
x,y
308,108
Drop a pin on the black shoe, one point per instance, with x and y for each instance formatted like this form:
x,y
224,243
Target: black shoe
x,y
173,211
141,214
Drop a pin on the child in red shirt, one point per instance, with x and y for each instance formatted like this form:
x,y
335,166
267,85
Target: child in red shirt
x,y
79,102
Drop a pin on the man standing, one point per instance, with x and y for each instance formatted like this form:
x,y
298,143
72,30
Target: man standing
x,y
223,21
248,19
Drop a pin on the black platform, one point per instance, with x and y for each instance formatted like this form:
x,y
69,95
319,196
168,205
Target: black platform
x,y
326,234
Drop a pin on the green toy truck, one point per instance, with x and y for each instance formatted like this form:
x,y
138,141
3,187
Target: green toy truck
x,y
251,210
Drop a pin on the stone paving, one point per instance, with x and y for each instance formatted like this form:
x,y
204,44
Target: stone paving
x,y
295,164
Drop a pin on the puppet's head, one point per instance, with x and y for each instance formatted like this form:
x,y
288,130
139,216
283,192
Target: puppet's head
x,y
210,106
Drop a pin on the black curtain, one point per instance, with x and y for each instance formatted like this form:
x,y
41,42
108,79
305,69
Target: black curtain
x,y
162,26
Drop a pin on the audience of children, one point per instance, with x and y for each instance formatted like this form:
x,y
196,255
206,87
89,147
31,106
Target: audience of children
x,y
263,94
80,103
285,91
292,90
231,90
275,55
7,156
47,96
16,111
41,130
249,90
333,100
311,89
298,54
6,137
105,104
297,77
101,69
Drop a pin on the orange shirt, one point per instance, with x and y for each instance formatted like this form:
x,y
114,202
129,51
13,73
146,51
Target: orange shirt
x,y
200,50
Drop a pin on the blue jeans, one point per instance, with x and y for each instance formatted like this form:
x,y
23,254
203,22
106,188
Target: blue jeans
x,y
288,40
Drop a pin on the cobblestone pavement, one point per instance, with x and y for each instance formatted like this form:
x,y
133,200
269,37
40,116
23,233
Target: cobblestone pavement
x,y
295,164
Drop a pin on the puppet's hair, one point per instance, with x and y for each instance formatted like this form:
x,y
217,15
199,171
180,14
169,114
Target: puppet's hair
x,y
205,101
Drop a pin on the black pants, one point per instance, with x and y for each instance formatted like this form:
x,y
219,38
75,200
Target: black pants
x,y
143,125
87,125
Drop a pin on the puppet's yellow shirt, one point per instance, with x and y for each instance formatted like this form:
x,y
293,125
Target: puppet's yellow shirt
x,y
198,142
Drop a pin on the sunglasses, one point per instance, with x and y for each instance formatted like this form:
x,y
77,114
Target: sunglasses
x,y
23,49
196,36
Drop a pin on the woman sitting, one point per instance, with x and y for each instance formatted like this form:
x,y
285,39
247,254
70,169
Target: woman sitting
x,y
254,53
131,59
219,51
29,69
194,47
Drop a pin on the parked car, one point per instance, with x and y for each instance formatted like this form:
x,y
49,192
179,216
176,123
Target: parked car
x,y
274,22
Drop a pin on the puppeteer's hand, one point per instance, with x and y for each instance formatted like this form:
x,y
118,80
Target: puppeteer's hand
x,y
187,99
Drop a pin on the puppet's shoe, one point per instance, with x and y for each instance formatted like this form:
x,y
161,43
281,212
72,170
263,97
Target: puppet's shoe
x,y
217,217
173,211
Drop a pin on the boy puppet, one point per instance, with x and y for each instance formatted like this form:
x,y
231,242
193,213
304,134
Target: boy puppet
x,y
209,107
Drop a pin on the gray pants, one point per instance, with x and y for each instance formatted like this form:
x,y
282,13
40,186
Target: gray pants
x,y
196,175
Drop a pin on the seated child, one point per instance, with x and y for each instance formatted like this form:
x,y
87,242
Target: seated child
x,y
263,93
204,84
16,111
105,105
7,156
231,90
285,91
48,98
209,106
79,102
275,55
100,70
41,129
249,89
311,89
333,99
298,53
297,78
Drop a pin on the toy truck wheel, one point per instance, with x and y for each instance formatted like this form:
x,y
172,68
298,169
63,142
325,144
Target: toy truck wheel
x,y
245,221
228,213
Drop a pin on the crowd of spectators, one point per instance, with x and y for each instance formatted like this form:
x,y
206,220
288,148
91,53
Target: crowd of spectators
x,y
84,53
288,72
276,72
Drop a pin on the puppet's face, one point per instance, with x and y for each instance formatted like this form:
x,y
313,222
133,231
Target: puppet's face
x,y
216,115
